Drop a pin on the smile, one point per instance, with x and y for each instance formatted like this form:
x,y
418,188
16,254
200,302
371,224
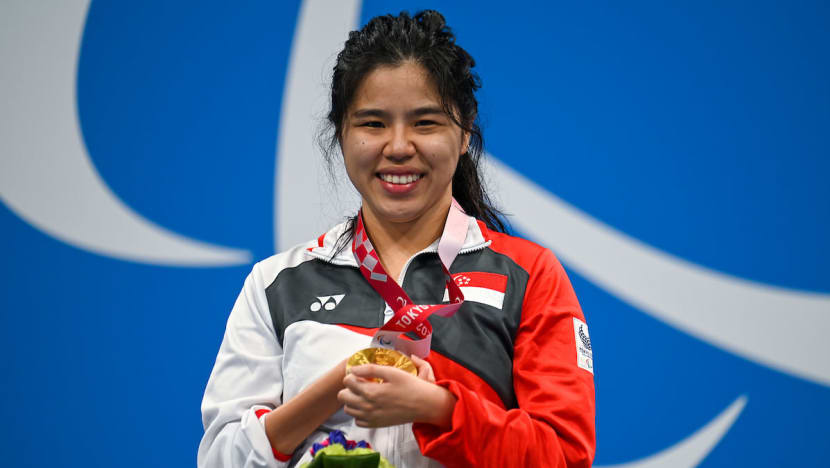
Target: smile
x,y
399,179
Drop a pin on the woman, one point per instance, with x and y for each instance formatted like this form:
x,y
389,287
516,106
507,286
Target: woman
x,y
509,381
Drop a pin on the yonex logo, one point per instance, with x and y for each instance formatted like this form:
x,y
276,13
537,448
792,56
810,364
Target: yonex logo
x,y
326,302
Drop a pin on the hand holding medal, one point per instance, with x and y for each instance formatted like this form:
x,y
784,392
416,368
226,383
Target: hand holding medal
x,y
400,398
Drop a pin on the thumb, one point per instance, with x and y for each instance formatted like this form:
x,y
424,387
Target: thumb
x,y
424,368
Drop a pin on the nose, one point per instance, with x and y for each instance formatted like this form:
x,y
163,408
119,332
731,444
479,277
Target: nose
x,y
400,145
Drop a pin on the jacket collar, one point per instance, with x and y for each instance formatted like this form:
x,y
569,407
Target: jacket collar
x,y
477,238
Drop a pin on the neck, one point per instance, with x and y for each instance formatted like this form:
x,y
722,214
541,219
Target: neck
x,y
396,242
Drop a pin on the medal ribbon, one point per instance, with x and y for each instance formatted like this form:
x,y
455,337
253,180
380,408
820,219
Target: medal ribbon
x,y
411,317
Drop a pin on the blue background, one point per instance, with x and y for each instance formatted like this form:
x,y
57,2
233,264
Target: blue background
x,y
700,128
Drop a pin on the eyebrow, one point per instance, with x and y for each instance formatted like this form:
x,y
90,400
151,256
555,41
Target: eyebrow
x,y
421,111
426,111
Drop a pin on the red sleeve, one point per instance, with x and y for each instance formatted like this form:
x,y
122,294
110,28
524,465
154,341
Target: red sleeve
x,y
554,423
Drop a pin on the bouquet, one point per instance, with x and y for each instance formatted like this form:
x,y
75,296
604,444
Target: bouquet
x,y
338,452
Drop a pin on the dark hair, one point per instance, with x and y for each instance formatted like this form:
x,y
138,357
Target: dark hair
x,y
426,40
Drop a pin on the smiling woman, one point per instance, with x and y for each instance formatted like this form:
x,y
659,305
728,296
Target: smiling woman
x,y
505,381
401,150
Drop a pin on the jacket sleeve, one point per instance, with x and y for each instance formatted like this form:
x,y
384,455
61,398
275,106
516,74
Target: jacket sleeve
x,y
246,381
553,425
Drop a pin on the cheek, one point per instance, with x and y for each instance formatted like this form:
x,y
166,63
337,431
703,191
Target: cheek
x,y
444,156
358,158
355,176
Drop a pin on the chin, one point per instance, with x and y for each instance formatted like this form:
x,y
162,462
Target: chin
x,y
404,216
400,212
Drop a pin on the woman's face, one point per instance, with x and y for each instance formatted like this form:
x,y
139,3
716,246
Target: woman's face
x,y
399,146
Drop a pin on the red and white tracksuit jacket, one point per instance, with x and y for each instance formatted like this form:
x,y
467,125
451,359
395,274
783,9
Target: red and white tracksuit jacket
x,y
516,355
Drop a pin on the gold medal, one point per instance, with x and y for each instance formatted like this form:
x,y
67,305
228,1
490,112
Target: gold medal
x,y
382,357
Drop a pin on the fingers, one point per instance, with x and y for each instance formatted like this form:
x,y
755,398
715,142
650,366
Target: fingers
x,y
362,423
395,401
356,406
360,417
373,371
353,401
424,369
356,385
362,383
362,410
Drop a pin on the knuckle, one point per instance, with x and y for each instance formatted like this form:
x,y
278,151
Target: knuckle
x,y
371,393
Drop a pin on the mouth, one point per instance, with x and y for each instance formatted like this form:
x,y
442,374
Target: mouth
x,y
399,179
399,184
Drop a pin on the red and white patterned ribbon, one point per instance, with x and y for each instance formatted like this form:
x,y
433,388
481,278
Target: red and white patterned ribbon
x,y
411,317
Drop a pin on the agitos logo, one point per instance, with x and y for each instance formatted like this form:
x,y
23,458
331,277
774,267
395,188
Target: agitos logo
x,y
585,340
36,171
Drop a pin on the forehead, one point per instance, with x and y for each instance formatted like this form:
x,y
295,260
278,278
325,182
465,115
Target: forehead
x,y
393,86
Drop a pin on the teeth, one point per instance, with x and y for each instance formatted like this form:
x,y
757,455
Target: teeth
x,y
400,179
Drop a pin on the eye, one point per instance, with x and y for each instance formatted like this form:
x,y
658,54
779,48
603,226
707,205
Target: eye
x,y
371,124
425,123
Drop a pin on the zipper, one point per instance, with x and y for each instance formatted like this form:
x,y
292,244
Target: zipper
x,y
432,249
408,262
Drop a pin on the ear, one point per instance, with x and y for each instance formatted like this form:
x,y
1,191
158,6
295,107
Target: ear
x,y
465,142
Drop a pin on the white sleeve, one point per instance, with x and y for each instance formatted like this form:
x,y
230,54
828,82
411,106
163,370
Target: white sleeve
x,y
247,376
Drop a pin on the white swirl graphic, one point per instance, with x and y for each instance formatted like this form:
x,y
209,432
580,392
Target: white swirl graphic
x,y
775,327
689,452
305,200
46,176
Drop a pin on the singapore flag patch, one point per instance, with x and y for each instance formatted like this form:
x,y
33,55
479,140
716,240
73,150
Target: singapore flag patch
x,y
481,287
584,355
